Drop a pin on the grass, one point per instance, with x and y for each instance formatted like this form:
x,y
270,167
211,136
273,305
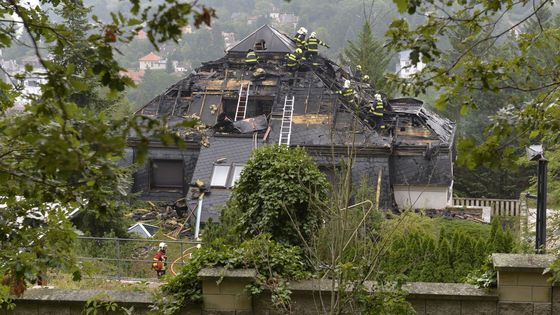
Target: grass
x,y
64,281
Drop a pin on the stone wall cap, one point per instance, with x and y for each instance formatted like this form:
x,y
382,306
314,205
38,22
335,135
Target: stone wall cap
x,y
230,273
456,291
522,262
70,295
452,291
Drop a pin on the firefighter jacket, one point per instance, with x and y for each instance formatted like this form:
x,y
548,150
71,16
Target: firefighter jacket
x,y
376,108
299,39
160,261
348,94
291,60
251,58
313,43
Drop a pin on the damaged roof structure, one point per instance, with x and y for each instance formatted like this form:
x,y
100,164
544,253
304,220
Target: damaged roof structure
x,y
411,160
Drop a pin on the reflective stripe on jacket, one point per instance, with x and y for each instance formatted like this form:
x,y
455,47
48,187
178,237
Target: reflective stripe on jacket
x,y
251,57
291,60
313,44
299,39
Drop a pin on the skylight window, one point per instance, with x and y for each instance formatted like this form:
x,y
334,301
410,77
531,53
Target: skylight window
x,y
225,176
220,175
236,174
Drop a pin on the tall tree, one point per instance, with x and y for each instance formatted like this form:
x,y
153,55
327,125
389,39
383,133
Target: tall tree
x,y
54,157
369,52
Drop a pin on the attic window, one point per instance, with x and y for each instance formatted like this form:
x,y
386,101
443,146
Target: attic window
x,y
236,174
260,45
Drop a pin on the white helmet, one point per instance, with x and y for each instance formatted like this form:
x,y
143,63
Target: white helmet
x,y
313,35
377,96
301,30
304,30
346,84
162,246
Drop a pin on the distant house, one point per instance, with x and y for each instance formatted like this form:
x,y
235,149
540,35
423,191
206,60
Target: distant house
x,y
135,75
405,68
229,39
152,61
141,35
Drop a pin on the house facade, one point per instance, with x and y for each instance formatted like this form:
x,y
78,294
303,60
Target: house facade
x,y
152,61
409,163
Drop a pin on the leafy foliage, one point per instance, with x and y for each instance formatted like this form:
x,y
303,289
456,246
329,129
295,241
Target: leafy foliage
x,y
56,157
276,194
274,262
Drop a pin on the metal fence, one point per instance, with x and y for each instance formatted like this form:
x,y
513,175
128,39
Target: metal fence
x,y
124,258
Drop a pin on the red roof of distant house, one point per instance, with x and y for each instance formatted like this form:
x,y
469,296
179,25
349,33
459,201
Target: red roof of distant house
x,y
136,76
150,57
141,35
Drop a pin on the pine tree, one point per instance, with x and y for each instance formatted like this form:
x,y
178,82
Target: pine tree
x,y
76,57
369,52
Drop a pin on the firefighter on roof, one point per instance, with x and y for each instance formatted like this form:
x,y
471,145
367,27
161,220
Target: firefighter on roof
x,y
347,92
160,260
358,74
251,59
312,46
293,59
376,109
299,38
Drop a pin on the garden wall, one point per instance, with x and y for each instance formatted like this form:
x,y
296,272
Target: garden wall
x,y
522,290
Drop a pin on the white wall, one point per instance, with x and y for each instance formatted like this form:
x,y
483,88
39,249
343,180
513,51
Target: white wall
x,y
422,197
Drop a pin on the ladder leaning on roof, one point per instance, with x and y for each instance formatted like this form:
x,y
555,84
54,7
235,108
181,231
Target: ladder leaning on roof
x,y
242,101
286,125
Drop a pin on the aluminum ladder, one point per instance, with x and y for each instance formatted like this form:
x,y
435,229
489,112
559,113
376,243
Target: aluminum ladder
x,y
286,125
242,101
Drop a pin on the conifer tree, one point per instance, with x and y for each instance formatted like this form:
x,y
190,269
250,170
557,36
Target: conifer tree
x,y
370,53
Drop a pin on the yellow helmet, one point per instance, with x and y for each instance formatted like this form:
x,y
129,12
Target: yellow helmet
x,y
299,51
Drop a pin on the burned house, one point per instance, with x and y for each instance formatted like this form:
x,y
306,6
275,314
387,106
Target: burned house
x,y
410,162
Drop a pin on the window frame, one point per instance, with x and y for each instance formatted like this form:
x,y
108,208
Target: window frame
x,y
227,175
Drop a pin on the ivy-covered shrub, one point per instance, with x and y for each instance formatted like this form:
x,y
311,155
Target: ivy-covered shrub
x,y
274,262
278,193
450,258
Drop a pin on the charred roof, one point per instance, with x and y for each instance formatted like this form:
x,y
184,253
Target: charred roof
x,y
320,116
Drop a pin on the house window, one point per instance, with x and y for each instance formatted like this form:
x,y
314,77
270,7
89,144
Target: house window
x,y
220,176
166,174
236,174
260,45
225,175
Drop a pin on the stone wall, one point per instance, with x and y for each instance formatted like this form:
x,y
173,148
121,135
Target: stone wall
x,y
522,290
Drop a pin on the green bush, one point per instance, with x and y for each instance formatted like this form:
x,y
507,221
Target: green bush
x,y
452,257
273,261
279,193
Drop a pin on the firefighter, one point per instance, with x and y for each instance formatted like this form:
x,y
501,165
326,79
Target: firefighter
x,y
312,47
294,59
299,38
376,110
251,59
347,92
358,75
160,260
